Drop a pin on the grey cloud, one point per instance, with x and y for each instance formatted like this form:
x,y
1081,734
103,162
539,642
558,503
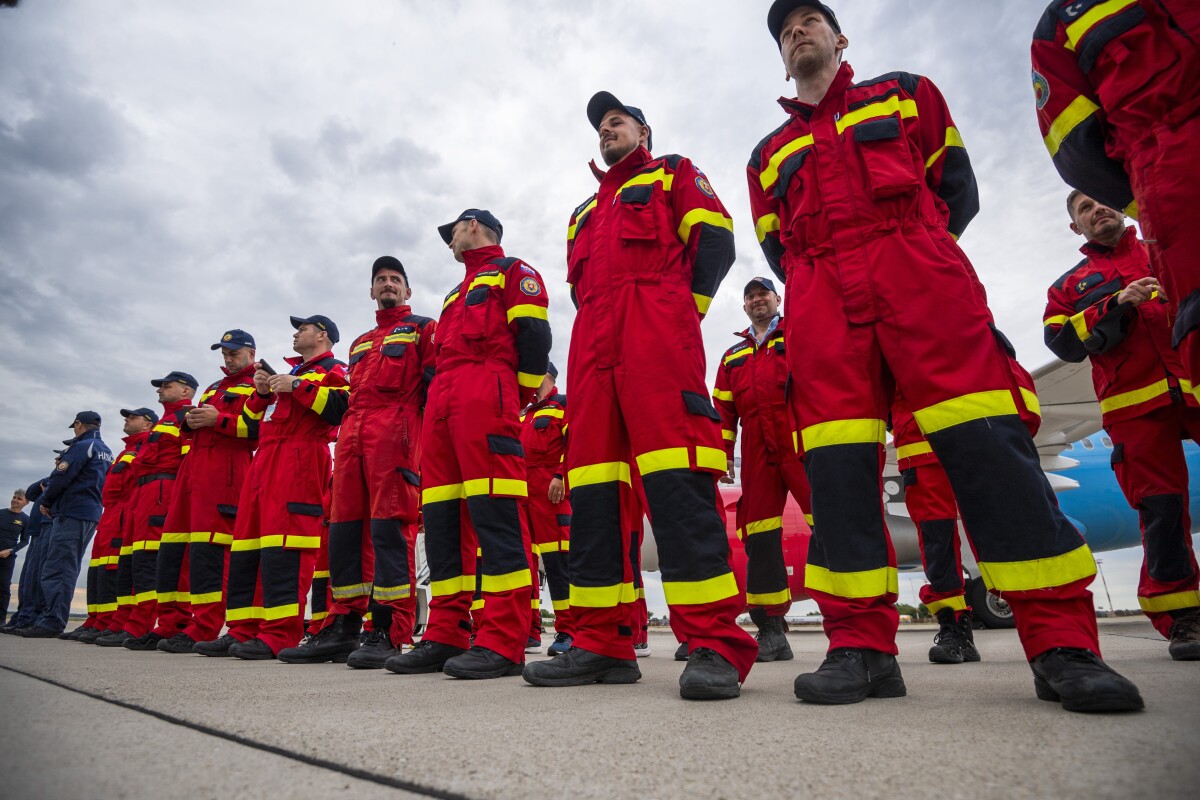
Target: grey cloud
x,y
71,135
294,157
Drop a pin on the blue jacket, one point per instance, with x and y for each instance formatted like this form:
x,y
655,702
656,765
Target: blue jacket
x,y
75,485
34,495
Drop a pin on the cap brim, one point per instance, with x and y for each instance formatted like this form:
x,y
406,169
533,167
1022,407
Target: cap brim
x,y
228,346
157,382
127,412
447,231
599,104
297,321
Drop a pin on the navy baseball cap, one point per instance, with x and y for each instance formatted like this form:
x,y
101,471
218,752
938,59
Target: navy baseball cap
x,y
602,102
480,215
86,417
149,413
235,339
765,283
176,375
780,10
388,262
321,321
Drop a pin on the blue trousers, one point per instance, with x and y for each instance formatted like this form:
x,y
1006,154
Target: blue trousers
x,y
6,572
65,550
29,593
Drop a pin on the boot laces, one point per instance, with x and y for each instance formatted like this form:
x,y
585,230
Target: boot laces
x,y
375,637
561,638
702,654
949,634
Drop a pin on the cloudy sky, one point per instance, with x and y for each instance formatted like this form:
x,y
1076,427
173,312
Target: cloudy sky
x,y
172,170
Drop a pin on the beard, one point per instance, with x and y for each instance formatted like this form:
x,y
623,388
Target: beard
x,y
389,301
613,155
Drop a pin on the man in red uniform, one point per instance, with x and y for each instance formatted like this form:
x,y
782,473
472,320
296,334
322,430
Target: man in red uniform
x,y
280,523
752,386
493,346
154,470
858,199
1115,88
193,561
645,256
1106,308
543,437
376,483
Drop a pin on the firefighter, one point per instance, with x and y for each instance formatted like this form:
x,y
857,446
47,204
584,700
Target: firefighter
x,y
493,346
1108,308
1115,89
858,199
376,483
543,437
752,386
194,557
645,256
280,525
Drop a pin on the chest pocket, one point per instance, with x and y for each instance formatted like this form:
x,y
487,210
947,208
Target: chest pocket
x,y
637,215
541,423
394,358
886,157
358,353
478,306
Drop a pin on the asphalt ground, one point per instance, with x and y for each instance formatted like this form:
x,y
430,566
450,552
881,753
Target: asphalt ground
x,y
80,721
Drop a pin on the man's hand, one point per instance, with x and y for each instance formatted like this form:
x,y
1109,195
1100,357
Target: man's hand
x,y
5,553
728,476
1138,292
262,381
282,383
45,511
556,492
204,416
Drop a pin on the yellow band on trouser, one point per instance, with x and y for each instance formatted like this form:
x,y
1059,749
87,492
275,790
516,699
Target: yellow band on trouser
x,y
682,458
694,593
770,599
249,612
914,449
102,608
125,600
966,408
843,431
353,590
207,597
1039,573
176,538
535,604
477,604
809,519
602,596
449,586
761,526
560,605
591,474
554,547
91,609
641,593
386,593
281,612
1169,602
142,597
956,603
1142,395
319,574
867,583
319,615
174,597
96,562
494,584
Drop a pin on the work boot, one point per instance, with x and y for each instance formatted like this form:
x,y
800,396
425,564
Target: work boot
x,y
374,652
1081,681
642,649
90,636
561,644
253,650
533,645
148,641
578,667
479,663
335,642
179,643
708,676
218,648
71,636
851,675
37,632
681,652
954,642
772,641
424,657
1185,636
113,638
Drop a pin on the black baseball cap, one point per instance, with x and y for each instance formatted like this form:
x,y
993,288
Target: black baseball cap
x,y
388,262
765,283
321,321
480,215
149,413
602,102
235,339
780,10
86,417
176,375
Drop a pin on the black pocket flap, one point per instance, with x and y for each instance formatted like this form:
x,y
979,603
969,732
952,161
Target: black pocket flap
x,y
639,195
227,511
564,519
877,129
395,350
908,477
357,357
700,405
540,423
115,543
477,295
306,509
505,445
1003,340
1118,454
157,521
410,476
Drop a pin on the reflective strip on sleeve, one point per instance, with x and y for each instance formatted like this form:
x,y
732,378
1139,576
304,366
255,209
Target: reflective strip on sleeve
x,y
766,225
528,310
1079,109
702,216
953,139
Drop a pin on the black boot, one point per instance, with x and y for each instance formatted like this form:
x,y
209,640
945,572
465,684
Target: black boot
x,y
374,652
253,650
1185,636
73,635
708,676
681,653
772,641
113,638
218,648
1079,680
851,675
954,642
425,657
148,641
578,667
90,637
335,642
480,663
179,643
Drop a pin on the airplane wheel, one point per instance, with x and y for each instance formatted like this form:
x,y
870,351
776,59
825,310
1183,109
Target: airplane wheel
x,y
987,607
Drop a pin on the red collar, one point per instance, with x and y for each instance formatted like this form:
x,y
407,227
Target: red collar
x,y
841,81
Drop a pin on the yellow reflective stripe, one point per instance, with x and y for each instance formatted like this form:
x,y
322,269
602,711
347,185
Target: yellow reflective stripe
x,y
174,597
535,604
385,593
453,296
910,450
694,593
1057,319
770,173
736,354
721,394
476,605
95,562
667,458
1031,401
702,302
125,600
442,494
151,544
323,396
657,176
510,487
548,547
477,487
102,608
579,218
126,549
809,519
142,597
254,415
400,337
602,596
367,345
242,545
599,473
176,538
183,451
163,428
1169,602
953,139
207,598
1135,396
319,574
281,612
249,612
867,583
1079,323
510,581
884,108
711,458
303,542
765,225
728,435
1080,27
549,412
1080,109
351,590
242,429
764,525
317,616
529,380
769,599
1039,573
488,280
968,407
449,586
702,216
126,457
844,431
244,390
560,605
1131,210
957,603
528,310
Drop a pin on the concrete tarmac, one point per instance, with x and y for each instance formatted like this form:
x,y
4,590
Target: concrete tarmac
x,y
81,721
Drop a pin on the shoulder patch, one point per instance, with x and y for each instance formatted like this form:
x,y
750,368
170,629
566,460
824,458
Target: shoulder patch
x,y
705,187
1041,89
530,286
62,466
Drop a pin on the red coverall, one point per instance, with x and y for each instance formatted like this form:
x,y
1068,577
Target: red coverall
x,y
376,474
857,200
1147,408
193,558
104,567
493,346
158,460
280,526
1115,86
543,436
752,385
645,256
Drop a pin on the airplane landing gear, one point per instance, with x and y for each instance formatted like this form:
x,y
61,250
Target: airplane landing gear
x,y
987,608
